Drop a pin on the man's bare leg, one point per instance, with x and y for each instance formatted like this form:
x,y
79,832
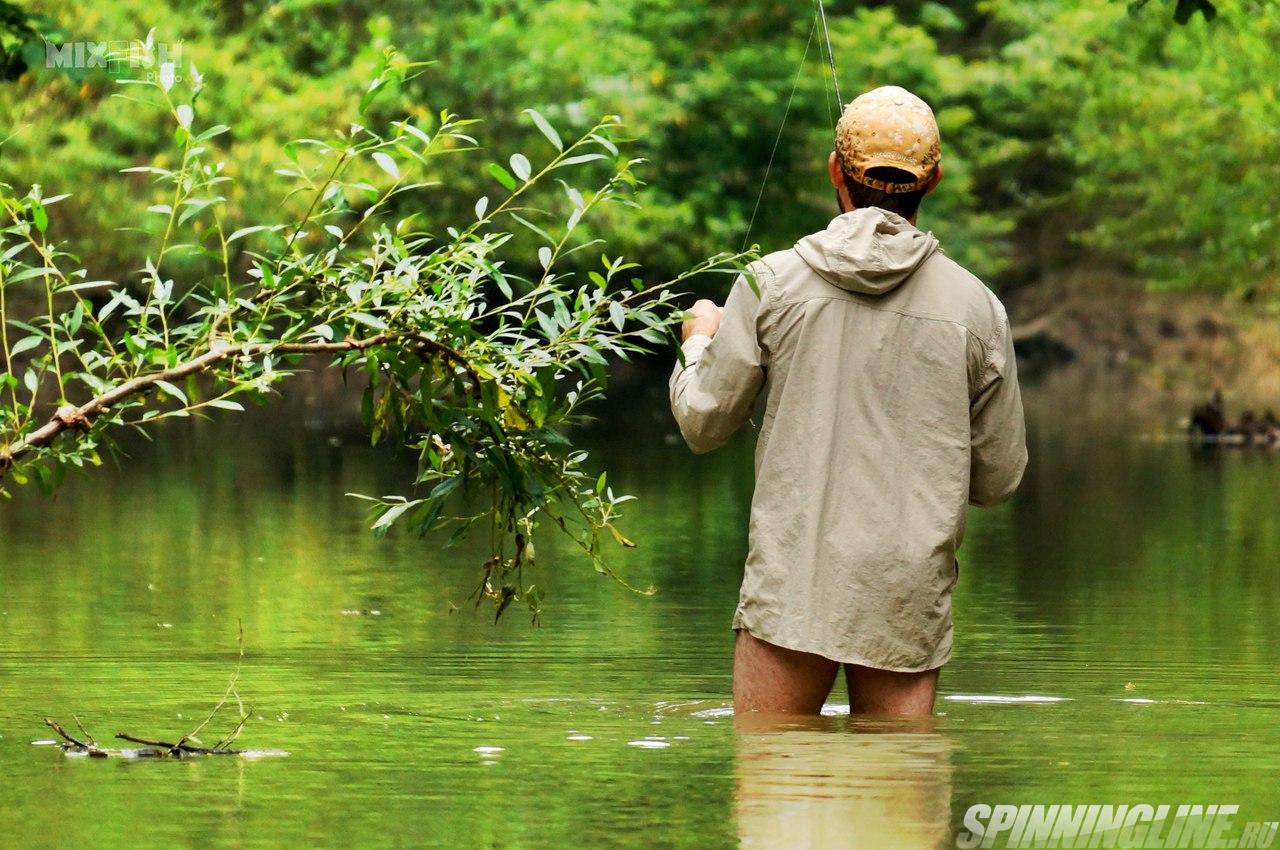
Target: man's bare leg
x,y
889,694
774,680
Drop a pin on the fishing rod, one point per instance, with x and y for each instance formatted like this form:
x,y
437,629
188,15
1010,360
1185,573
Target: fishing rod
x,y
819,19
831,56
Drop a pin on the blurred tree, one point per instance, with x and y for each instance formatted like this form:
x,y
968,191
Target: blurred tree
x,y
1047,108
22,39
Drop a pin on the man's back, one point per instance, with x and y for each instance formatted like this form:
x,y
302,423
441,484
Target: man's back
x,y
892,401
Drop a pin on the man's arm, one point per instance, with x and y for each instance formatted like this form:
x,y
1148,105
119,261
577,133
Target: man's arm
x,y
998,437
714,391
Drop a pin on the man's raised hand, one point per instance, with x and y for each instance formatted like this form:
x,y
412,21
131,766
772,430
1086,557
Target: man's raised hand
x,y
704,319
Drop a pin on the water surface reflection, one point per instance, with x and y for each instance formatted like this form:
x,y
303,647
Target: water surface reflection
x,y
1121,611
836,783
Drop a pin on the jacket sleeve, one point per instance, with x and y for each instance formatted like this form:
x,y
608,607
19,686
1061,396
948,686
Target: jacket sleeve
x,y
998,439
715,389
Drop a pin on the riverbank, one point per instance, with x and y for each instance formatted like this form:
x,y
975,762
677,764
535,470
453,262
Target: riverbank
x,y
1154,353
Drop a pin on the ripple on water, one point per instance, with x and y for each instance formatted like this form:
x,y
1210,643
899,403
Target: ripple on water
x,y
1004,699
726,711
648,744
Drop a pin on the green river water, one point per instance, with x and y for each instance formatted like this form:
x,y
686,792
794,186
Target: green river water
x,y
1117,642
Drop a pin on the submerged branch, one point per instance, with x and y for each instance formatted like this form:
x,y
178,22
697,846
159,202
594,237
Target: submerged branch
x,y
66,736
179,749
231,689
187,745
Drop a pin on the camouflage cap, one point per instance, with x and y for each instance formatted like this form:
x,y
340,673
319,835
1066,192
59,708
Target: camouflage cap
x,y
888,127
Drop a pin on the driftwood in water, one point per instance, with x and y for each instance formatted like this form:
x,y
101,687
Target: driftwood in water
x,y
188,745
1209,424
153,749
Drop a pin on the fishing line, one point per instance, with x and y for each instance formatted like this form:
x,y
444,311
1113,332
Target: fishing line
x,y
831,54
819,17
778,139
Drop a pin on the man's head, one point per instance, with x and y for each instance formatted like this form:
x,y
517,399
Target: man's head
x,y
887,152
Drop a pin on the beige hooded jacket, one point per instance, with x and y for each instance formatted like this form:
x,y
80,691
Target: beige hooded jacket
x,y
892,401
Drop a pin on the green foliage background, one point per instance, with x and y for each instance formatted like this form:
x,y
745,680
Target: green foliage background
x,y
1152,146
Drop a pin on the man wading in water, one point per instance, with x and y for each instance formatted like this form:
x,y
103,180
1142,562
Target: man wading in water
x,y
892,401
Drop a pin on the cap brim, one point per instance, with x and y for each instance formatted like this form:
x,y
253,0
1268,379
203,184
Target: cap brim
x,y
882,161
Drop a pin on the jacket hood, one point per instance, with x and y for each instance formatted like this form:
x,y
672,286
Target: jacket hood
x,y
868,250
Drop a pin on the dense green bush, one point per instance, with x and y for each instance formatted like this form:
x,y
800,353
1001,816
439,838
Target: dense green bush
x,y
1152,142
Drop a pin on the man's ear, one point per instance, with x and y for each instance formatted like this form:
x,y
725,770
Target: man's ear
x,y
835,172
935,179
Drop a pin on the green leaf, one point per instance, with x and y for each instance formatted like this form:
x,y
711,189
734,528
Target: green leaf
x,y
538,230
27,274
504,285
370,320
416,132
618,313
25,344
376,85
520,166
588,353
545,128
548,324
172,390
605,143
444,488
581,158
215,130
502,176
43,480
39,217
387,164
245,231
225,404
392,514
88,284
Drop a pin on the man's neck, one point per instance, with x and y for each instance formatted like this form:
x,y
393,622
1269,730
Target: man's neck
x,y
843,210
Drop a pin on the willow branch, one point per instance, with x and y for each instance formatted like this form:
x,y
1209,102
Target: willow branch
x,y
71,417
